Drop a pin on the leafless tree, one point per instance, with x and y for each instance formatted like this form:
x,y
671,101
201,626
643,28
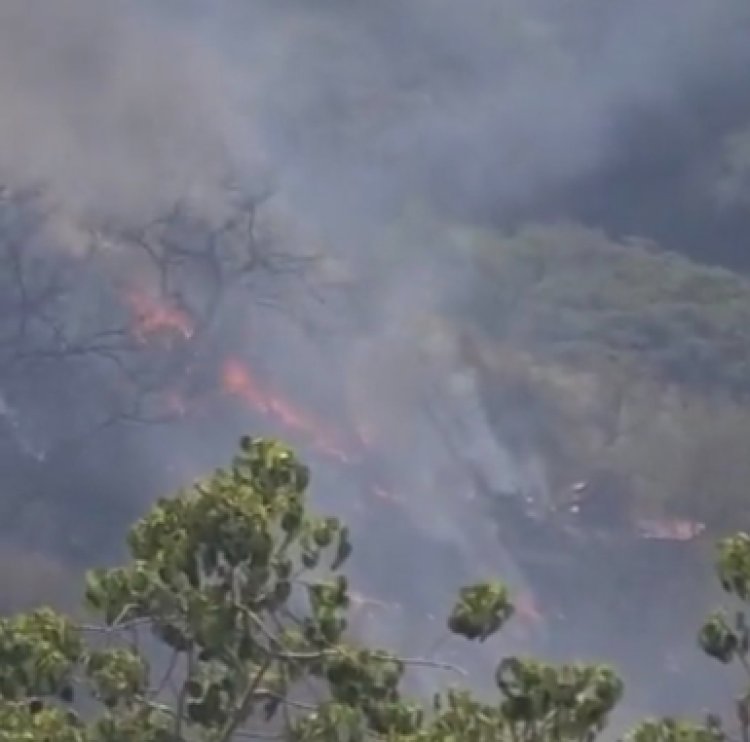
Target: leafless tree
x,y
136,306
126,325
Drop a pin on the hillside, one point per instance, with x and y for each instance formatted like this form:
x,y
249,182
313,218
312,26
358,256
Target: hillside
x,y
395,236
600,356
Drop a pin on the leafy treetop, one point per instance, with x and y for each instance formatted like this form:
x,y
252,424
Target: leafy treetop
x,y
229,622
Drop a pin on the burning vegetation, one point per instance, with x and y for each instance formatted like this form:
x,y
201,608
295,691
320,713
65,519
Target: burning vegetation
x,y
166,342
153,319
238,381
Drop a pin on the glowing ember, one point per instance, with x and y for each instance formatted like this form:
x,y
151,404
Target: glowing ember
x,y
152,317
238,381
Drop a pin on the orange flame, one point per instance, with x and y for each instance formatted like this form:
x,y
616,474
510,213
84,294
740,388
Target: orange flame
x,y
152,317
238,381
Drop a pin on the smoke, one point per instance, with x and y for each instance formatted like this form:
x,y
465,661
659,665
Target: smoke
x,y
112,109
487,105
356,112
351,105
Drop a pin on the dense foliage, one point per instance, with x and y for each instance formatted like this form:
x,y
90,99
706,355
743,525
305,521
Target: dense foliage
x,y
610,360
572,293
230,621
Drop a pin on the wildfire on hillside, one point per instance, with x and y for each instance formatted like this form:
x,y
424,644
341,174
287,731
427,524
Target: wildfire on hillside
x,y
354,444
156,323
238,380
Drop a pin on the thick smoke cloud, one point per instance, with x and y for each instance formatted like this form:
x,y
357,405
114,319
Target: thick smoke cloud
x,y
111,108
488,104
351,104
355,110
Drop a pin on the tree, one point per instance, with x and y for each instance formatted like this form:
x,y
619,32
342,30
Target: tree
x,y
229,622
725,639
106,327
125,310
570,294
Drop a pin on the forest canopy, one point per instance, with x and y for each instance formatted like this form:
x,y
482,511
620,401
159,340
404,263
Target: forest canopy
x,y
572,293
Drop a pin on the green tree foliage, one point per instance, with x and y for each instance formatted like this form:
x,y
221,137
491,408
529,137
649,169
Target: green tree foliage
x,y
229,622
726,639
238,586
571,293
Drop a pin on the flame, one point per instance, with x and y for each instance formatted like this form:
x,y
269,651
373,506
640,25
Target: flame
x,y
153,317
238,381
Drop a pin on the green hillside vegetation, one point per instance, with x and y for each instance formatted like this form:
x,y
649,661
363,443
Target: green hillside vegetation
x,y
230,622
611,361
571,293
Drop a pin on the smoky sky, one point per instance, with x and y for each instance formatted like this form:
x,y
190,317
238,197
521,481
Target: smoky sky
x,y
352,107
